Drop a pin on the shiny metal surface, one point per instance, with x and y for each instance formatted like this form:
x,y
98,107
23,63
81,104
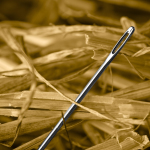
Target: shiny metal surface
x,y
89,85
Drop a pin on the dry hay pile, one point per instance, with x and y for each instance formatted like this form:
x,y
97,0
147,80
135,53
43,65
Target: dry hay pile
x,y
43,68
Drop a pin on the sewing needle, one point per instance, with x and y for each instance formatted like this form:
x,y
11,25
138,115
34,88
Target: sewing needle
x,y
89,85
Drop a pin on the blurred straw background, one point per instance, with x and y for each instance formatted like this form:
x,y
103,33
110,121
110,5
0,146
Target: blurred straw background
x,y
50,49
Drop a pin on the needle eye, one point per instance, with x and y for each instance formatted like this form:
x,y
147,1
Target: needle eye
x,y
123,40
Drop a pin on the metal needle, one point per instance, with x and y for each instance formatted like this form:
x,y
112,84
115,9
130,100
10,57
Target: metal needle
x,y
89,85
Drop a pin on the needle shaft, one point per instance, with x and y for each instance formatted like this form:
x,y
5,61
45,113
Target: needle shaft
x,y
89,85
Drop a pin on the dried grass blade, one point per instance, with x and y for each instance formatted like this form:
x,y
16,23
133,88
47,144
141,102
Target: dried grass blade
x,y
129,140
94,135
110,144
138,91
141,5
126,23
7,130
13,84
59,56
64,68
50,103
37,141
19,51
143,51
73,75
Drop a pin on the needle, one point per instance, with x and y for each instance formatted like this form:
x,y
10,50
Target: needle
x,y
89,85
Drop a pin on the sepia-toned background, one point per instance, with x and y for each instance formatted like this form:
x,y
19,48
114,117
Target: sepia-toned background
x,y
50,49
